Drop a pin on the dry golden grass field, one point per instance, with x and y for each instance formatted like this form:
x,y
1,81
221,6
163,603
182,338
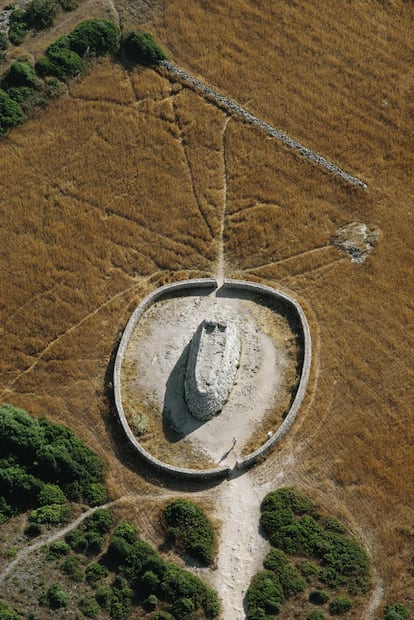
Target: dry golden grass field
x,y
133,180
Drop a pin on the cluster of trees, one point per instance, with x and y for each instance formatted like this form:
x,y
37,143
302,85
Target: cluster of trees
x,y
158,585
325,555
190,530
44,465
125,573
64,57
37,15
23,88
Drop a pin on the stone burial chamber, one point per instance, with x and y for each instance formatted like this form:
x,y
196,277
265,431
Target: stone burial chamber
x,y
212,365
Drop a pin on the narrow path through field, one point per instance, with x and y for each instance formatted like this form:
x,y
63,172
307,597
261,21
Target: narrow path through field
x,y
242,548
125,499
220,269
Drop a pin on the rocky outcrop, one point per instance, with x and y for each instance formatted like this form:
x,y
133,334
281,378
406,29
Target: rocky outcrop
x,y
211,368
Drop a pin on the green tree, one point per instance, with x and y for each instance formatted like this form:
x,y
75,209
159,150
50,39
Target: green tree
x,y
396,611
56,598
95,36
40,14
188,526
140,47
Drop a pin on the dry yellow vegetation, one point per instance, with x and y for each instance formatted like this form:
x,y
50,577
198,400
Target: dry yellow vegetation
x,y
120,186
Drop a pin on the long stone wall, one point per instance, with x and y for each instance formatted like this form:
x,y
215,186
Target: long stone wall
x,y
159,293
251,458
235,108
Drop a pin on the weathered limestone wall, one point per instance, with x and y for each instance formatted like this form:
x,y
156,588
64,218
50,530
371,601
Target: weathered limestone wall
x,y
211,368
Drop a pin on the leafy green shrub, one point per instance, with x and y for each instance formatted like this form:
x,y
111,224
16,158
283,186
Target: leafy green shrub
x,y
95,542
55,597
189,527
51,494
55,514
151,602
315,615
76,540
65,63
95,36
18,27
340,605
99,521
288,498
94,572
17,33
57,550
264,593
6,613
17,485
183,607
396,611
333,525
43,67
71,566
89,607
33,530
40,14
95,494
318,597
309,570
140,47
103,596
276,560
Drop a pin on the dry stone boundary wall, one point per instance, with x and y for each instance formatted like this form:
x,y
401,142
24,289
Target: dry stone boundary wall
x,y
212,283
234,108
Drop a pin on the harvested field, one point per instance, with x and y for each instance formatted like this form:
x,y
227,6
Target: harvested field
x,y
129,182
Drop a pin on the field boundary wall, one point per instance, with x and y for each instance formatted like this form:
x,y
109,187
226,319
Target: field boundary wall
x,y
234,108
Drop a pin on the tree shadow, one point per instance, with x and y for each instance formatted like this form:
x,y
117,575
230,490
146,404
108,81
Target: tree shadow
x,y
176,417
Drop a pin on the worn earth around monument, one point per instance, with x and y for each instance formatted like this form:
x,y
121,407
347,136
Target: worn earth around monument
x,y
155,363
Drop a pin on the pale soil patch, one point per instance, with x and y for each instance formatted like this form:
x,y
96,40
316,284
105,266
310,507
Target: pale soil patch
x,y
242,548
154,368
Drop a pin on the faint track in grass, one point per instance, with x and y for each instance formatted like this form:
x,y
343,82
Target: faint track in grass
x,y
220,269
232,107
71,329
125,499
190,171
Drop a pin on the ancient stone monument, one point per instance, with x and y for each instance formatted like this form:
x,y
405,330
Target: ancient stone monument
x,y
212,366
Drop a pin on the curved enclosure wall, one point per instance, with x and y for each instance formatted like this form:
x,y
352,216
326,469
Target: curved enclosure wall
x,y
229,288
